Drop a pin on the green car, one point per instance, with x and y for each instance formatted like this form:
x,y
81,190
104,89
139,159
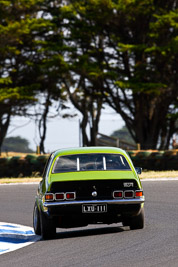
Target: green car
x,y
88,185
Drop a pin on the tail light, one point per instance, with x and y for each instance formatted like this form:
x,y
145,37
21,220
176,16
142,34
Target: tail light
x,y
70,195
49,197
60,196
138,193
65,196
117,194
129,194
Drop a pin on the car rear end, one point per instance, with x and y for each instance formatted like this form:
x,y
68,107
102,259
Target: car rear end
x,y
108,198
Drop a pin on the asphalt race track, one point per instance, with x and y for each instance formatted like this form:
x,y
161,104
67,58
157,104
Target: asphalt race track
x,y
155,245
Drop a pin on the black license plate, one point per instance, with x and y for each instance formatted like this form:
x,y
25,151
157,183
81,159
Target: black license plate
x,y
94,208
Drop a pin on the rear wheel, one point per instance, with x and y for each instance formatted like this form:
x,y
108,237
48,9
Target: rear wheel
x,y
48,228
136,222
36,220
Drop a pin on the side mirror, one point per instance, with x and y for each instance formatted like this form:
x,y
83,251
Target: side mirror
x,y
138,170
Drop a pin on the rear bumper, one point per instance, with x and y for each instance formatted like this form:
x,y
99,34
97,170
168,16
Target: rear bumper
x,y
71,211
112,201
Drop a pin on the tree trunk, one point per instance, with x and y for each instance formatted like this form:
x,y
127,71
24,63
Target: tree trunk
x,y
83,126
42,126
4,124
149,121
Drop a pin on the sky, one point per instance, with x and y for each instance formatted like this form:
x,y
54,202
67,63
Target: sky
x,y
62,133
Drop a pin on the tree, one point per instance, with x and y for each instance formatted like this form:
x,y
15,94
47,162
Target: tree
x,y
134,46
16,144
120,52
144,41
51,67
17,31
27,64
83,57
90,108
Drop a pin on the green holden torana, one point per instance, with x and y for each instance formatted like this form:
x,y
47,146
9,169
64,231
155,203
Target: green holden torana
x,y
88,185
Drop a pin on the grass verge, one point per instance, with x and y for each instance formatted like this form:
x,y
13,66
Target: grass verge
x,y
19,180
158,174
144,175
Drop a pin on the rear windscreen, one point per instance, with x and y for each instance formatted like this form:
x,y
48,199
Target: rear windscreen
x,y
90,162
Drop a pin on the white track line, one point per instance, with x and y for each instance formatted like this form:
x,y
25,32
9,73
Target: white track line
x,y
15,236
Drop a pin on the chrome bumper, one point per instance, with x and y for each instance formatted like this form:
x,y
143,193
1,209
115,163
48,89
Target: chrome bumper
x,y
112,201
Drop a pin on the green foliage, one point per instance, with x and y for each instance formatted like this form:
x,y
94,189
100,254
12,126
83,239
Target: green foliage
x,y
31,165
26,59
157,160
127,50
123,52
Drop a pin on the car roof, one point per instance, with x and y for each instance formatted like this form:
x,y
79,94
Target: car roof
x,y
83,150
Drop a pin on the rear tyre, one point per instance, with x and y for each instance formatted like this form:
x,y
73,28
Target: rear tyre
x,y
48,228
136,222
36,220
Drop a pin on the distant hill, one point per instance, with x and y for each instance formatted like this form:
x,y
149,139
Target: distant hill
x,y
124,135
16,144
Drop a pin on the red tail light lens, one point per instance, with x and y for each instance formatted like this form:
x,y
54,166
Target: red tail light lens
x,y
49,197
59,196
70,195
128,194
138,193
118,194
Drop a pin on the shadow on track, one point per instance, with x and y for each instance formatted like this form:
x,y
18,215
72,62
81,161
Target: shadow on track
x,y
88,232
